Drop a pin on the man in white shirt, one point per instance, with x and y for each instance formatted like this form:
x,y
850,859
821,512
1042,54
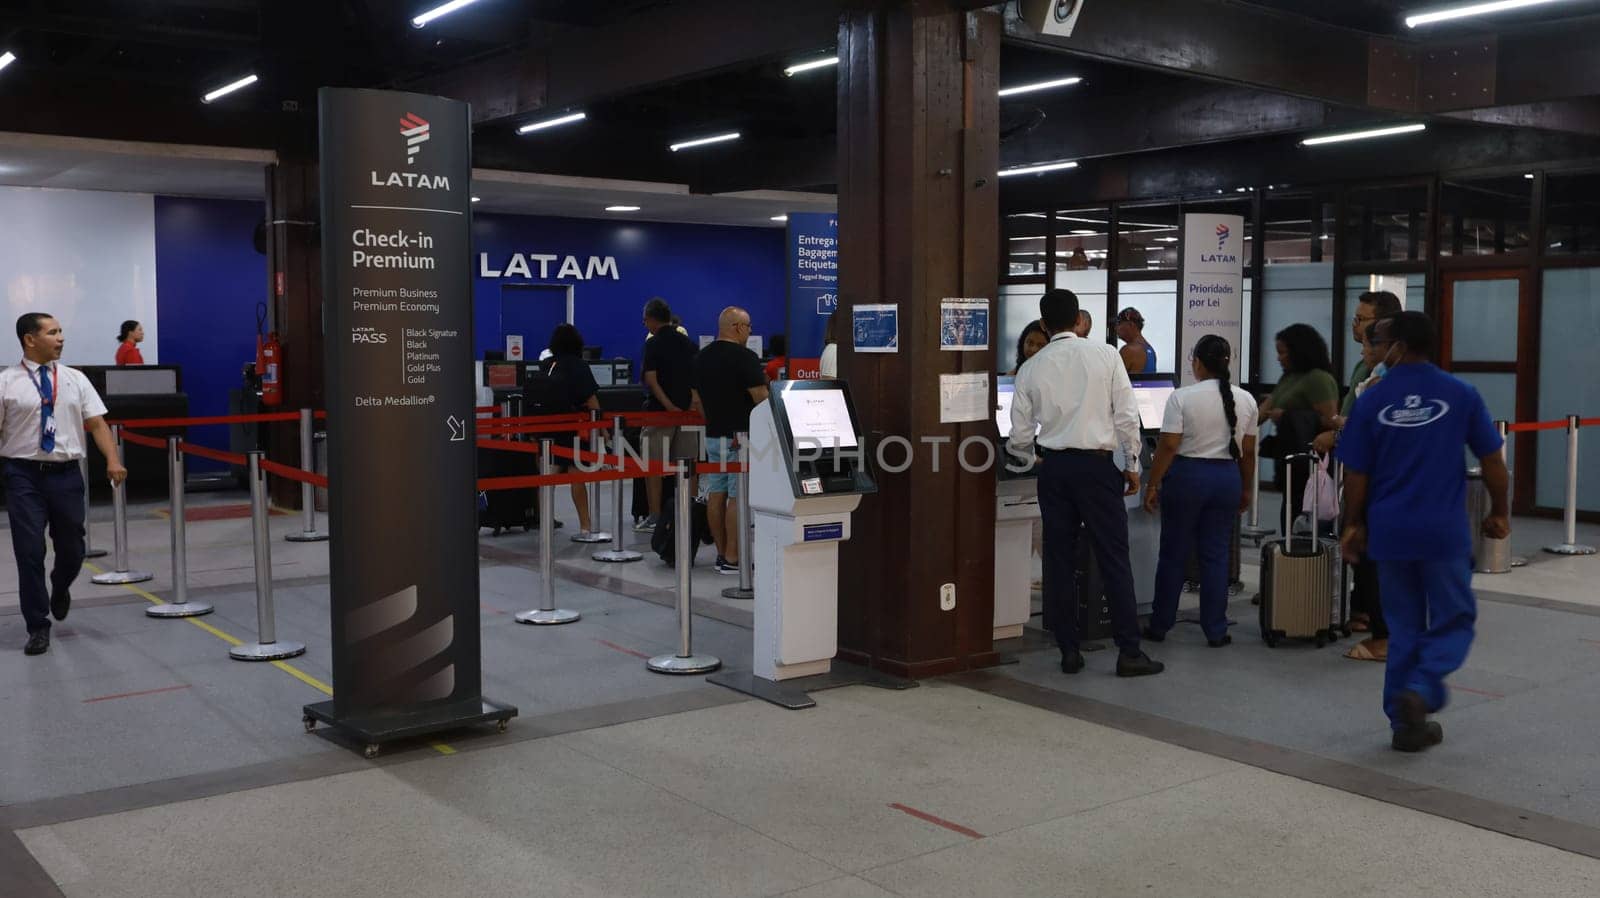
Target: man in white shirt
x,y
1075,393
45,409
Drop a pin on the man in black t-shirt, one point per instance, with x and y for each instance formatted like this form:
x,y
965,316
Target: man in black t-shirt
x,y
728,383
667,369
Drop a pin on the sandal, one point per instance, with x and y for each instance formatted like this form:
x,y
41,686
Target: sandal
x,y
1362,651
1360,623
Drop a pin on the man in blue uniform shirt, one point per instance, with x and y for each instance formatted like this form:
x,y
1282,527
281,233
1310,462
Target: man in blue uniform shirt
x,y
1404,494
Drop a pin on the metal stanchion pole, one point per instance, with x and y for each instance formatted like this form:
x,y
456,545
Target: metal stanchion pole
x,y
266,647
89,551
618,529
1570,510
595,535
547,612
1253,530
746,588
180,606
685,661
308,493
119,573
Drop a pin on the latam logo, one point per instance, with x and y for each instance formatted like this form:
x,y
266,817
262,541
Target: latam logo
x,y
1222,236
415,130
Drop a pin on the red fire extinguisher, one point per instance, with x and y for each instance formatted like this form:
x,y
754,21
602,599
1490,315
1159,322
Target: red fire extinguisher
x,y
269,362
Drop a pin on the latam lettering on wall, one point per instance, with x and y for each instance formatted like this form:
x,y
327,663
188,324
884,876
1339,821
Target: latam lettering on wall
x,y
571,268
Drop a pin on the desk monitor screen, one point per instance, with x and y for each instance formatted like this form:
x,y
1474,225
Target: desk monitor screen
x,y
820,418
1005,389
604,374
1152,395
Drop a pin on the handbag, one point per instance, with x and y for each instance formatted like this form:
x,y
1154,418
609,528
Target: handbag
x,y
1320,493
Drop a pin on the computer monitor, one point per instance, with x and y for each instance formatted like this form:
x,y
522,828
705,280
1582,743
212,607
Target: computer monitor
x,y
605,374
1152,395
591,353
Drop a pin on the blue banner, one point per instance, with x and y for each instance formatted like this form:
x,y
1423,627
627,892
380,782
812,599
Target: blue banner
x,y
813,250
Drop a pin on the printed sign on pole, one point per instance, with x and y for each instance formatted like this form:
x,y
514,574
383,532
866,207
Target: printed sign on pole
x,y
1212,301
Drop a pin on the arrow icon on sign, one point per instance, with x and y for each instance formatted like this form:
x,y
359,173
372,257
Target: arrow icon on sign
x,y
458,429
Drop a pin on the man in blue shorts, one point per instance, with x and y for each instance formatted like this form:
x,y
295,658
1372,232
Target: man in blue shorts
x,y
1405,490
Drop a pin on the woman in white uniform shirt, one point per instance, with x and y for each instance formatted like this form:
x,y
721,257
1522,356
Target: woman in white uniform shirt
x,y
1205,456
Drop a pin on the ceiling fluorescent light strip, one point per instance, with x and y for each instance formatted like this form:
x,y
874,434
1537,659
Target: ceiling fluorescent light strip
x,y
1471,9
552,123
1037,169
226,89
444,9
703,141
799,67
1363,135
622,208
7,58
1042,85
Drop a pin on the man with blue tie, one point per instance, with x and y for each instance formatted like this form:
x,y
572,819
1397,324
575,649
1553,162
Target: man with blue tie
x,y
45,409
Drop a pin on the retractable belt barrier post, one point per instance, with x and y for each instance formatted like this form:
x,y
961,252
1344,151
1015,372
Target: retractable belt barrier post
x,y
119,573
1253,530
547,612
308,493
180,606
266,647
595,535
1569,512
89,551
685,661
617,553
746,588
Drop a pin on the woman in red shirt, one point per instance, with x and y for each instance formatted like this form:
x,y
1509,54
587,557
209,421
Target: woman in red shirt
x,y
778,367
128,343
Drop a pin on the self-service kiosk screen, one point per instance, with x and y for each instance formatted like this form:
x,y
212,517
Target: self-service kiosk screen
x,y
1152,395
820,418
1005,390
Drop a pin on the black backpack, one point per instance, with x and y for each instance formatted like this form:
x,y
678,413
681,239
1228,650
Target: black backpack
x,y
664,540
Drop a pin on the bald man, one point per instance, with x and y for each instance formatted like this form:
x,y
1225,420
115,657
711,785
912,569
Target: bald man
x,y
728,383
1083,325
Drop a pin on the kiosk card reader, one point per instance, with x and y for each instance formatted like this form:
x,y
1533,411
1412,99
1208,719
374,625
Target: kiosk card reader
x,y
808,472
1016,510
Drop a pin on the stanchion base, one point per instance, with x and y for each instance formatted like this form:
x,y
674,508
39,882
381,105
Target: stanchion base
x,y
371,732
307,536
1519,561
734,592
794,694
96,553
617,556
553,616
1570,549
187,609
118,578
595,536
677,664
272,651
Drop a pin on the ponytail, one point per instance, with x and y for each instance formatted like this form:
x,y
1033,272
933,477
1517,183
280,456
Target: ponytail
x,y
128,327
1215,355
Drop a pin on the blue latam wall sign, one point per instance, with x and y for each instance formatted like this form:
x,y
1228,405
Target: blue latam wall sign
x,y
813,246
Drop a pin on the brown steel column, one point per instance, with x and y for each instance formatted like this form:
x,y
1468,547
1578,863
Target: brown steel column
x,y
294,291
919,221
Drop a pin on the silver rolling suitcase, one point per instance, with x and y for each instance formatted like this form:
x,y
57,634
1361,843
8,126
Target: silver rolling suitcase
x,y
1299,599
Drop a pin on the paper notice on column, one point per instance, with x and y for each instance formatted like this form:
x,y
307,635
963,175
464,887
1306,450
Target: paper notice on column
x,y
963,397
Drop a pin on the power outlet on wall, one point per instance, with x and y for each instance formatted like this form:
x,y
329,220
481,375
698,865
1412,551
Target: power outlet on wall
x,y
947,597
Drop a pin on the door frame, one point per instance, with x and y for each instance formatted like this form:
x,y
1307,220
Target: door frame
x,y
1525,367
525,285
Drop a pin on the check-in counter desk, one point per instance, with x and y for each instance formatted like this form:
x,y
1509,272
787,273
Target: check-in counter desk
x,y
802,491
130,393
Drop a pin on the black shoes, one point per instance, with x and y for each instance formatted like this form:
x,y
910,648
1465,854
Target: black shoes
x,y
38,643
1140,665
1071,661
1153,636
60,603
1416,731
1219,643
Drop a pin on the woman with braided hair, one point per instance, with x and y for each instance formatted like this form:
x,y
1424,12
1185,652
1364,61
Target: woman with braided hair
x,y
1205,456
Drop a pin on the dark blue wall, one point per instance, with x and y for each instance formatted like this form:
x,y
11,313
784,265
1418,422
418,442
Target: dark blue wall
x,y
697,269
208,280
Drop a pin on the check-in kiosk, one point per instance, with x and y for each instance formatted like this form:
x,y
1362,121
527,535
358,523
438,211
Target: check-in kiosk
x,y
1016,510
807,474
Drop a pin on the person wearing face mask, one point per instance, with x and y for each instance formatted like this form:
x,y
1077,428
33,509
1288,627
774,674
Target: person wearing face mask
x,y
1370,307
1205,456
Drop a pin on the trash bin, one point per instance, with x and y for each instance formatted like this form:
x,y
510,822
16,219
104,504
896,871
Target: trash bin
x,y
1489,556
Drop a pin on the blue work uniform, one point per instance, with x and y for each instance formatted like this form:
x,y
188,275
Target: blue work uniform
x,y
1406,434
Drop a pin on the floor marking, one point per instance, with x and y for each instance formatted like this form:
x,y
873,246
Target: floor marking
x,y
1591,641
937,821
107,698
284,666
1470,691
623,649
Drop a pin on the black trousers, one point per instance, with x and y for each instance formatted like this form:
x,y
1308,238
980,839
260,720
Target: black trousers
x,y
1084,493
1366,597
35,500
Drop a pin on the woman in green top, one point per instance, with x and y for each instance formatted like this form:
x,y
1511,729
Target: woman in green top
x,y
1308,381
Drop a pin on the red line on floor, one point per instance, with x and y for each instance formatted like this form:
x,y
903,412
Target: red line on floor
x,y
937,821
1470,691
107,698
623,649
489,608
1591,641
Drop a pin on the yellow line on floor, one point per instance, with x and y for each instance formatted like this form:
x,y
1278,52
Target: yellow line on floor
x,y
284,666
